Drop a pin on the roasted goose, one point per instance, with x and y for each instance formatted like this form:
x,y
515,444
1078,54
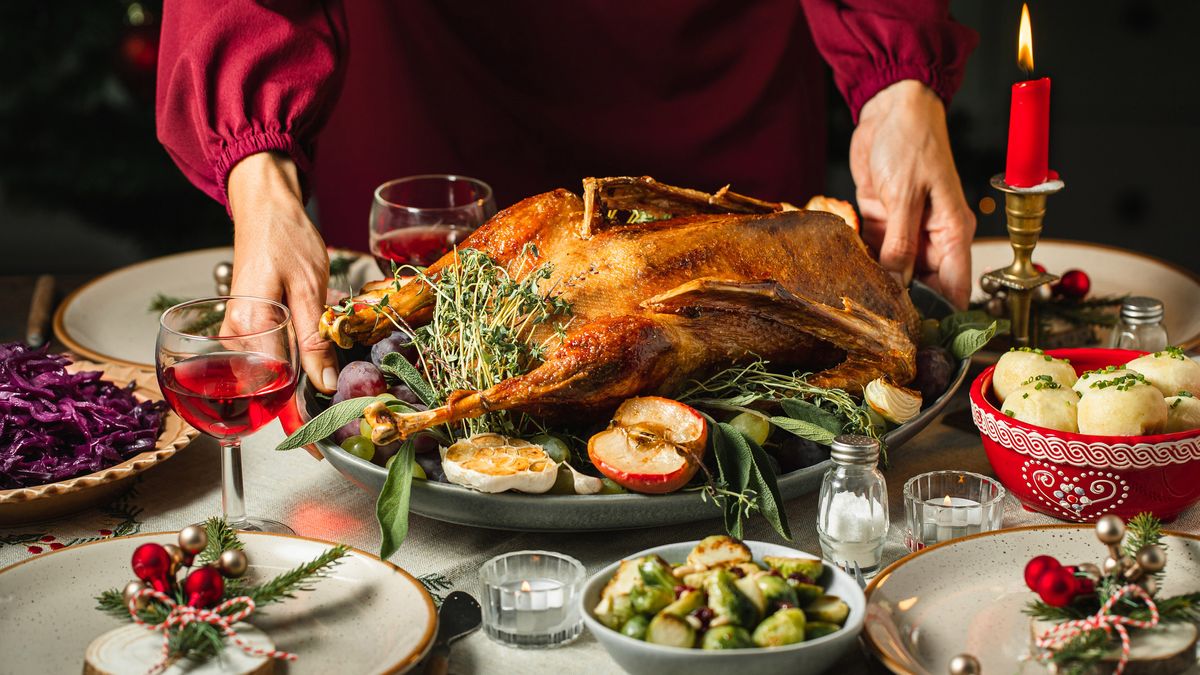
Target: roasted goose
x,y
724,279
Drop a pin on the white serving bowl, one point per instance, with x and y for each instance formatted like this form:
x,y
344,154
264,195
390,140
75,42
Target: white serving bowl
x,y
643,658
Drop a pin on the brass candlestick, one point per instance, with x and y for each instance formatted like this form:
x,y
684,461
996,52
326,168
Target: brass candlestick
x,y
1025,208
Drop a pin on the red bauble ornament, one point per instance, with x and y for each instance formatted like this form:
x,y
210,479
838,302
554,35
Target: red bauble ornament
x,y
1035,568
204,587
152,564
1057,588
1084,586
1039,267
1074,284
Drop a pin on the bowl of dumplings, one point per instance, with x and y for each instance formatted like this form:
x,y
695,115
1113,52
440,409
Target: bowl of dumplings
x,y
1081,433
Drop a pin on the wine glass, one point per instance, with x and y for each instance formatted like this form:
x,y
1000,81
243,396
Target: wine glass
x,y
418,219
228,365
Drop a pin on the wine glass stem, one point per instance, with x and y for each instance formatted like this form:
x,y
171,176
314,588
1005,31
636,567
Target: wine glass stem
x,y
233,496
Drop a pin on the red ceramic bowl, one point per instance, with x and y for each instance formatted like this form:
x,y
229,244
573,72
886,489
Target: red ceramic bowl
x,y
1080,477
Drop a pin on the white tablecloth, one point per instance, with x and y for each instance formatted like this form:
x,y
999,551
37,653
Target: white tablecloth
x,y
316,501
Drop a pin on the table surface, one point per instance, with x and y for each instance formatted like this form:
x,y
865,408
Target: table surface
x,y
316,501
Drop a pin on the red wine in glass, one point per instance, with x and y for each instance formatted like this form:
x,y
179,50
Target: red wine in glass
x,y
228,394
419,245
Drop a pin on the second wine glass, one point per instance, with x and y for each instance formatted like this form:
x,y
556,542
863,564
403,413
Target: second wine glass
x,y
417,220
228,365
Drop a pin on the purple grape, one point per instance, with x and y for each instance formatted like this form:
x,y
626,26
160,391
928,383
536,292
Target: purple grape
x,y
400,341
935,367
384,452
426,444
796,453
360,378
346,431
431,462
402,392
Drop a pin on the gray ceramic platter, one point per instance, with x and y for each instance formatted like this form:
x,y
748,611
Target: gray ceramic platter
x,y
574,513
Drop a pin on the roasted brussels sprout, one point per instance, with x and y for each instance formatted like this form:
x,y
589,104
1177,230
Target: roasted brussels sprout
x,y
636,626
726,637
718,551
656,586
687,602
777,593
805,592
671,630
728,603
784,627
753,593
816,629
614,611
828,608
810,568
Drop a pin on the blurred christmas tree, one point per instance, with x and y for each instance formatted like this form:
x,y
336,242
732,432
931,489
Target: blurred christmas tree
x,y
77,122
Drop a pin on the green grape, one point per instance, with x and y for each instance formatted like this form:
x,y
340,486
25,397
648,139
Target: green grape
x,y
364,429
359,446
554,446
611,487
754,426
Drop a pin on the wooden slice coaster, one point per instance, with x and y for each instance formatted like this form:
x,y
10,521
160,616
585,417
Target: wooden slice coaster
x,y
133,650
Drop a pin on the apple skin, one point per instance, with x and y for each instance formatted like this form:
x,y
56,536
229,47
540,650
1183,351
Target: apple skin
x,y
643,481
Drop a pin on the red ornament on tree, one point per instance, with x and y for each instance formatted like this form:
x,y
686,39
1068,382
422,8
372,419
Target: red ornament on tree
x,y
1035,568
152,564
204,587
1074,284
1057,588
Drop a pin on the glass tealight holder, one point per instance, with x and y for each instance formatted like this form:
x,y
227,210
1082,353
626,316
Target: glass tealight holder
x,y
530,599
944,505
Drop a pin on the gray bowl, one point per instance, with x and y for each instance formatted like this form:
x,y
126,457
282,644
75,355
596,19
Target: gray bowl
x,y
643,658
574,513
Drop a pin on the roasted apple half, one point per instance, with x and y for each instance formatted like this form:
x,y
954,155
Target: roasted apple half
x,y
653,445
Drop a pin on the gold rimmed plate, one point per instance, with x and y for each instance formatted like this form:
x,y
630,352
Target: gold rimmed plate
x,y
966,596
367,616
51,500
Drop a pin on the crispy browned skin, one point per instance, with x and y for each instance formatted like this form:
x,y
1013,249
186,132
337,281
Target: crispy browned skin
x,y
659,303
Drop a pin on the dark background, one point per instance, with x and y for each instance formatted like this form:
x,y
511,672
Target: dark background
x,y
85,187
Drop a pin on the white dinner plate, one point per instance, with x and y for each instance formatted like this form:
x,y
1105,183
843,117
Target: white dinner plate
x,y
1113,271
966,596
367,616
108,319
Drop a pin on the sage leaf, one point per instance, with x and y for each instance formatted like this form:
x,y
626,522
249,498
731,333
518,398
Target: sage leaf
x,y
758,476
955,323
396,365
391,510
971,340
734,471
808,430
322,426
799,409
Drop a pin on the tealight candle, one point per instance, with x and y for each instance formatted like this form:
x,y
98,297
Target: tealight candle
x,y
944,505
528,599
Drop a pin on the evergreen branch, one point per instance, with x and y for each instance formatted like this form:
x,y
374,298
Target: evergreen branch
x,y
297,579
1078,655
221,537
162,302
1043,612
1176,609
112,602
1141,531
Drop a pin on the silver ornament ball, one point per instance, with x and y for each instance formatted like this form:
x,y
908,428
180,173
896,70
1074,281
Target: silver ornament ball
x,y
1150,584
1090,570
965,664
131,589
989,285
1112,566
1152,559
177,556
233,563
1042,293
193,539
996,306
1110,530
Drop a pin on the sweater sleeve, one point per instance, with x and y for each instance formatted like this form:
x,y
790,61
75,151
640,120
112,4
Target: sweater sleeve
x,y
243,76
871,44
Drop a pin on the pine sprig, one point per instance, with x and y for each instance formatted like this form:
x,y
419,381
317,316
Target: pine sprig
x,y
1175,609
221,537
297,579
1141,531
1080,654
1043,612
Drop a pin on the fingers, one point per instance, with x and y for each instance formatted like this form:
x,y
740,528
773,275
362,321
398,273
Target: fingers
x,y
901,238
953,232
316,353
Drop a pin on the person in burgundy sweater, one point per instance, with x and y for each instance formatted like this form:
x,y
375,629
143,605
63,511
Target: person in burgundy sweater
x,y
531,95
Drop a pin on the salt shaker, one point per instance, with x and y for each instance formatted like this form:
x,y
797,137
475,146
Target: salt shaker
x,y
1141,326
852,515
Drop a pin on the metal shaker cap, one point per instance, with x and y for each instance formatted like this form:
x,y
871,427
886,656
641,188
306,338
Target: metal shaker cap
x,y
854,449
1141,310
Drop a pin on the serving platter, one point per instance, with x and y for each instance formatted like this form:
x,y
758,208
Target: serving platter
x,y
367,616
573,513
108,319
966,595
52,500
1113,272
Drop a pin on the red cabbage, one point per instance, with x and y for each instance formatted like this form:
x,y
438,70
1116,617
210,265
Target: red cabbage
x,y
56,425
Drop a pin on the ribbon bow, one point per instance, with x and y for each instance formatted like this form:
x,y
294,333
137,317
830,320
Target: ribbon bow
x,y
182,615
1106,621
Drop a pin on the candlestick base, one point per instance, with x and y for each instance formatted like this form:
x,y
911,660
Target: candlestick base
x,y
1025,207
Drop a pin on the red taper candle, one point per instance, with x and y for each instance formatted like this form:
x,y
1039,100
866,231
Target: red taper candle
x,y
1029,120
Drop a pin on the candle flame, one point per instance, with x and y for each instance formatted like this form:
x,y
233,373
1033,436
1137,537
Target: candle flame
x,y
525,584
948,501
1025,42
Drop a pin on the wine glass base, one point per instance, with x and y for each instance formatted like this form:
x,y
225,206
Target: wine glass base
x,y
262,525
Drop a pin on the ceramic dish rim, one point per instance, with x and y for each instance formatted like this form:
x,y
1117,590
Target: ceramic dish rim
x,y
399,667
891,569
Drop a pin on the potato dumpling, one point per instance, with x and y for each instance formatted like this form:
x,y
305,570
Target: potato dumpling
x,y
1183,413
1045,403
1019,365
1105,374
1125,406
1170,370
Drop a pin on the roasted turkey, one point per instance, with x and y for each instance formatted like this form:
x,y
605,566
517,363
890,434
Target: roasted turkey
x,y
723,279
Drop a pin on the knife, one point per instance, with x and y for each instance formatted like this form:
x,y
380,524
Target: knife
x,y
458,617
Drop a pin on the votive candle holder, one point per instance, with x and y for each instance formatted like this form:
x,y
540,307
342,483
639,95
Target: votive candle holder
x,y
944,505
530,599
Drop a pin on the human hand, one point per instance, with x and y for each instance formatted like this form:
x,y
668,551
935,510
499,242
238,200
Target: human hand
x,y
914,212
278,254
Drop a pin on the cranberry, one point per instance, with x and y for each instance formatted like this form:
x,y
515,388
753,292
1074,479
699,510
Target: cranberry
x,y
705,615
737,572
801,578
680,590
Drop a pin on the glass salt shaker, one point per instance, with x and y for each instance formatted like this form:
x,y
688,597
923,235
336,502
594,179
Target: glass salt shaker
x,y
1140,326
852,512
